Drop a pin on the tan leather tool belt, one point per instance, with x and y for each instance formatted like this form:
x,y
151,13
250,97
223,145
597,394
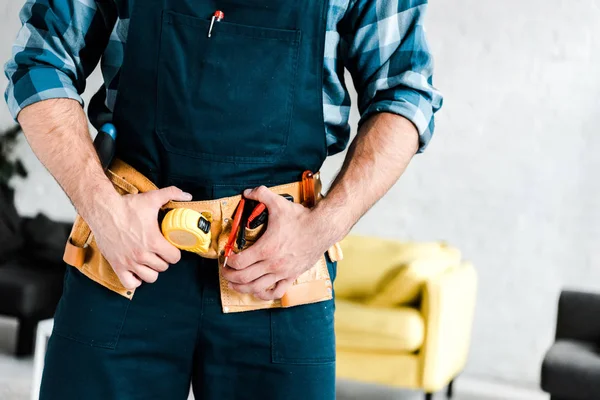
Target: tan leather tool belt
x,y
312,286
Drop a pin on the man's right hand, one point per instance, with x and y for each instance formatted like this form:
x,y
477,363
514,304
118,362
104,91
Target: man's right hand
x,y
125,227
128,236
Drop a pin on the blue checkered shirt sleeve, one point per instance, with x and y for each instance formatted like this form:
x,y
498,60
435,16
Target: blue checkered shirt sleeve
x,y
390,62
58,46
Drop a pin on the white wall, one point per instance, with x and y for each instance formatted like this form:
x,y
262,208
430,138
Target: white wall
x,y
510,177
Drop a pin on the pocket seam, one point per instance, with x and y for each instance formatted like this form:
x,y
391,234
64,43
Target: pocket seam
x,y
103,345
286,35
89,341
111,345
278,358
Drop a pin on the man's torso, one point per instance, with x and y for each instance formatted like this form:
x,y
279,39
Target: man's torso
x,y
336,100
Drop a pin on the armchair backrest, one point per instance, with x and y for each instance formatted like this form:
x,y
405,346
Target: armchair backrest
x,y
370,261
578,316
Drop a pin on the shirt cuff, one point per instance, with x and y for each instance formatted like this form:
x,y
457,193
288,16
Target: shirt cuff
x,y
418,110
37,84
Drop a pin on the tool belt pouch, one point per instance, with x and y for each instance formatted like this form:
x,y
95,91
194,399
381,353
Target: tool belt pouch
x,y
314,285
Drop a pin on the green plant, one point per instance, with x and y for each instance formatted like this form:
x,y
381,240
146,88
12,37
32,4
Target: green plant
x,y
10,167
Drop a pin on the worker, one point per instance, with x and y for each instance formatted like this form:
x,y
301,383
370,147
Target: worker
x,y
213,99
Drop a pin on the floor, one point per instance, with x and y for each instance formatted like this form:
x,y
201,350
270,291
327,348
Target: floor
x,y
15,376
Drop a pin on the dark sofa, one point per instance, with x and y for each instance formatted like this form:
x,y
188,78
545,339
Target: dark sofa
x,y
571,367
31,277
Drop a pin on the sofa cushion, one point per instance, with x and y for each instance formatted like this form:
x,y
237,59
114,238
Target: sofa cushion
x,y
369,263
359,327
571,369
403,285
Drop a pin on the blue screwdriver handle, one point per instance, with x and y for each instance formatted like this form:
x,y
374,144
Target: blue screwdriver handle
x,y
104,143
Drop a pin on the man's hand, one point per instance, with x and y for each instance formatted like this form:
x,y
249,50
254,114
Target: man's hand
x,y
293,242
296,236
125,227
127,234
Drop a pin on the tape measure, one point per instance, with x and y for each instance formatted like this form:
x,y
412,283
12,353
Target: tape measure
x,y
187,230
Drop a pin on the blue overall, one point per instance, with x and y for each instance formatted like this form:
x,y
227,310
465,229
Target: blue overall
x,y
213,116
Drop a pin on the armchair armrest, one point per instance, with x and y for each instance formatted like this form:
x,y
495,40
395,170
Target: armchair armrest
x,y
448,304
578,316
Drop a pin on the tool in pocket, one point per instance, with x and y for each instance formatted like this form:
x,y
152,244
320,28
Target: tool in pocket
x,y
234,228
260,215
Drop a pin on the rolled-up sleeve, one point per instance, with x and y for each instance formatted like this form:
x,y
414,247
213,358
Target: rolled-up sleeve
x,y
57,47
390,62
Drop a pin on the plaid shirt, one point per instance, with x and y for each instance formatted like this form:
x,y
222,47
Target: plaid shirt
x,y
381,42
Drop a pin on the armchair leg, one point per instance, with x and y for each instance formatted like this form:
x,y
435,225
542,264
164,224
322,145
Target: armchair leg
x,y
428,396
450,390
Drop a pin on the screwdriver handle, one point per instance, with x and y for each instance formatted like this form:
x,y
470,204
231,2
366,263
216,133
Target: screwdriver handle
x,y
104,143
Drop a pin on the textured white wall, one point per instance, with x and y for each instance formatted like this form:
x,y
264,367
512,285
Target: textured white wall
x,y
510,177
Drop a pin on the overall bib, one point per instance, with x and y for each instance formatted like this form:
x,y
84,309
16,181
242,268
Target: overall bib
x,y
213,116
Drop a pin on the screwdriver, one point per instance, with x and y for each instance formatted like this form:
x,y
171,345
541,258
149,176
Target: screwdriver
x,y
234,227
104,143
241,237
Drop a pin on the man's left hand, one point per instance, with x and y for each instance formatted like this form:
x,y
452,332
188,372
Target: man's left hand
x,y
293,243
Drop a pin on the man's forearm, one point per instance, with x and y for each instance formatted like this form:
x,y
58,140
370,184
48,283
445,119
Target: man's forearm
x,y
376,159
57,131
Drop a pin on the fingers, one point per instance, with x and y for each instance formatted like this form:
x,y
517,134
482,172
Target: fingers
x,y
264,195
246,275
135,247
145,273
163,196
129,280
166,250
146,265
260,279
278,292
250,256
155,262
257,286
145,269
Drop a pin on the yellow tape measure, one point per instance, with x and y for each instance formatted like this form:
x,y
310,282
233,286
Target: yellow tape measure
x,y
187,229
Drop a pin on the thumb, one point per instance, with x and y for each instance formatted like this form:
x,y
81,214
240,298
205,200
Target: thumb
x,y
265,196
164,195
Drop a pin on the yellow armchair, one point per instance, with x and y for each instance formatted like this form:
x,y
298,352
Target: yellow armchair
x,y
404,313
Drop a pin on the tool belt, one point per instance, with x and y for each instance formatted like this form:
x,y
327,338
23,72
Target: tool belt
x,y
312,286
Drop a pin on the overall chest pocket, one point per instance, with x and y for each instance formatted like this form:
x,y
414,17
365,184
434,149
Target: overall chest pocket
x,y
228,97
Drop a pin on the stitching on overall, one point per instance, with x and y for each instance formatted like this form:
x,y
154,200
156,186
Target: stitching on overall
x,y
321,73
292,91
106,344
